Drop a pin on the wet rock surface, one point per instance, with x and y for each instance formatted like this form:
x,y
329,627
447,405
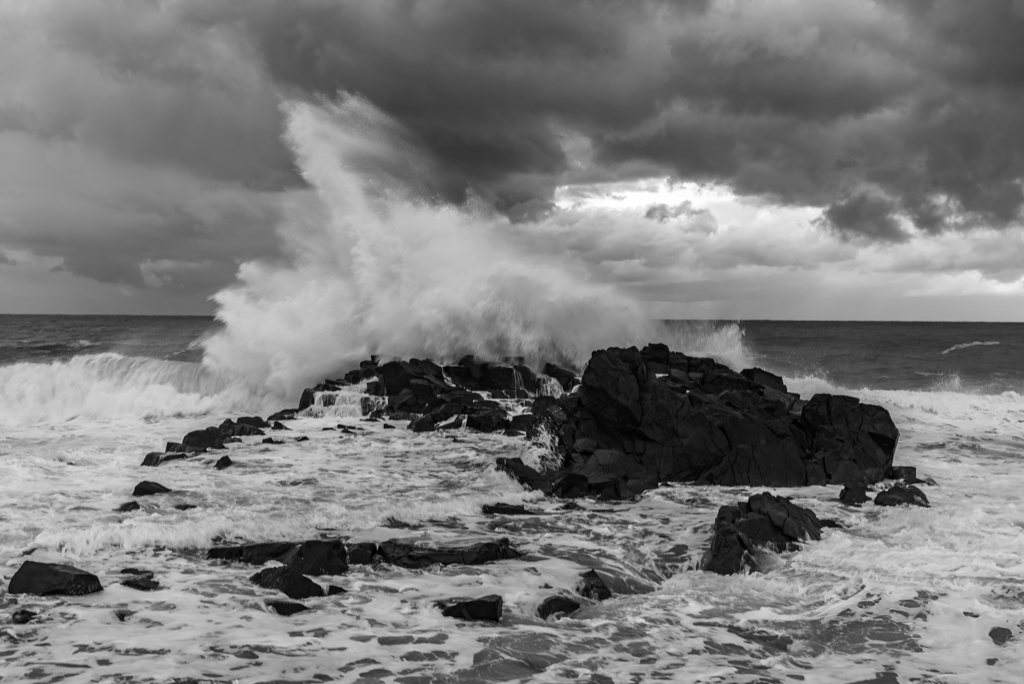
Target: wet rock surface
x,y
901,495
485,609
764,521
52,579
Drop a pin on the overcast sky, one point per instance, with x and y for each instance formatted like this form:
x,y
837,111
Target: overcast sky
x,y
747,159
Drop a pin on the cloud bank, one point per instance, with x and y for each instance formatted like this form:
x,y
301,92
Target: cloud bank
x,y
141,141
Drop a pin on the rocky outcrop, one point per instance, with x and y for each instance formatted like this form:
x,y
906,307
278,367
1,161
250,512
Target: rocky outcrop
x,y
593,586
764,521
51,579
289,581
312,557
651,416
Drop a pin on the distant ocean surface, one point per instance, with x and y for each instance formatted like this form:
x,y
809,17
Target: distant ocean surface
x,y
896,595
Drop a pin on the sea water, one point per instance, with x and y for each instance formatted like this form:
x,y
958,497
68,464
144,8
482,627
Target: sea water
x,y
902,594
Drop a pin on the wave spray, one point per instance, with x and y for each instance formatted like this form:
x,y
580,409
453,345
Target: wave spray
x,y
375,267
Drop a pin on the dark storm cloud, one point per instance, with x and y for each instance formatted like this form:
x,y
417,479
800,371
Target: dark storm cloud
x,y
887,115
801,102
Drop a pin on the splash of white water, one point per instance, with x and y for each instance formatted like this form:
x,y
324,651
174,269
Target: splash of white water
x,y
376,269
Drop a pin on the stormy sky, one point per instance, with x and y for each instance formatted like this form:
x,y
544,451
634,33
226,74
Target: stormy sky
x,y
718,158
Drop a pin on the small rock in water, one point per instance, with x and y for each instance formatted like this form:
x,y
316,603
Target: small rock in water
x,y
487,608
303,438
141,582
293,583
317,558
554,605
389,426
854,495
210,438
22,617
505,509
334,590
593,587
51,579
128,507
184,507
901,495
148,488
158,458
1000,635
123,614
279,426
286,414
286,608
414,557
271,440
223,462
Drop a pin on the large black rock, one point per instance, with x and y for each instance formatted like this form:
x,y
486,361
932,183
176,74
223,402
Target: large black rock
x,y
901,495
554,605
51,579
312,557
411,556
652,416
763,521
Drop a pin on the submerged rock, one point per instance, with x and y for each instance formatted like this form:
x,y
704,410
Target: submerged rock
x,y
487,608
223,462
51,579
901,495
505,509
23,617
764,521
593,587
128,507
1000,635
288,580
557,605
286,608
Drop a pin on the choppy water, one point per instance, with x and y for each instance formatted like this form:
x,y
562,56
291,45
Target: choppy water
x,y
896,595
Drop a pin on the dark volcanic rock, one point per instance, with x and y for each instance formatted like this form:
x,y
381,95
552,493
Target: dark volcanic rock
x,y
554,605
147,488
488,421
210,438
223,462
256,554
51,579
254,421
317,558
652,416
764,521
487,608
128,507
288,580
505,509
593,587
901,495
411,556
23,617
286,608
854,495
142,583
361,553
1000,635
157,458
422,424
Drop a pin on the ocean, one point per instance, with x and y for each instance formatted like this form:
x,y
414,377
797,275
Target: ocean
x,y
894,595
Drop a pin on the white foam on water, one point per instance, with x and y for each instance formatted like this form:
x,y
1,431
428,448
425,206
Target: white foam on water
x,y
106,386
968,345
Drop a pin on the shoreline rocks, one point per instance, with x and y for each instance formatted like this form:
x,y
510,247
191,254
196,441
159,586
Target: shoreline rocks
x,y
52,579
